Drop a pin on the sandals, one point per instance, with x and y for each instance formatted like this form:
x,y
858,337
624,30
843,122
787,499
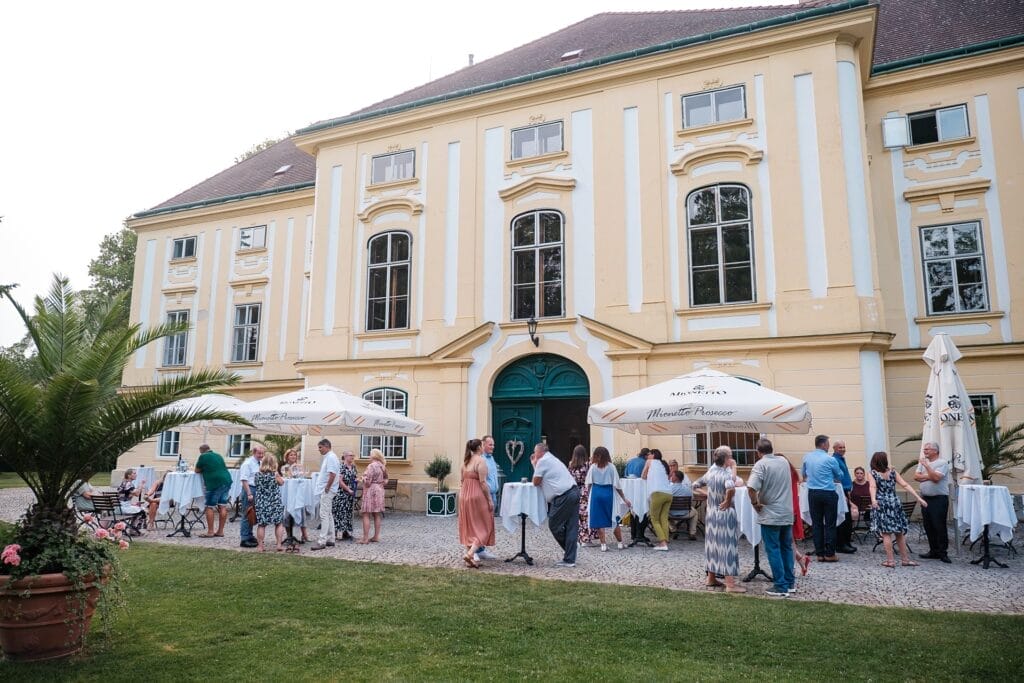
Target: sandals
x,y
889,565
470,561
804,565
909,563
207,535
735,589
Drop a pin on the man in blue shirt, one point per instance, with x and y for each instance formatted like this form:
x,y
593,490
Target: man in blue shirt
x,y
635,467
821,471
492,483
845,531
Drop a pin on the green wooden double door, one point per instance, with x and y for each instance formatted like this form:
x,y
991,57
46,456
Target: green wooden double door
x,y
539,397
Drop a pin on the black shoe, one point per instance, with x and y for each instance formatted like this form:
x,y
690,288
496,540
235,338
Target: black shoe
x,y
846,550
248,544
928,556
330,544
945,558
346,536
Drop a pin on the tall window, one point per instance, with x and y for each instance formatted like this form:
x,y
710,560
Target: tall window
x,y
387,289
393,447
246,338
935,125
714,106
954,268
983,403
387,168
537,274
743,445
239,445
169,445
176,345
184,247
721,251
252,238
533,141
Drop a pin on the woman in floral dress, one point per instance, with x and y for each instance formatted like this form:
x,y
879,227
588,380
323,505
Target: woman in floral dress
x,y
578,467
345,501
374,478
887,518
269,506
721,530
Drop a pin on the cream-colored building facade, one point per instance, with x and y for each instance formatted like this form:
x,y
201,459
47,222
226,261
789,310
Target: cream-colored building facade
x,y
724,203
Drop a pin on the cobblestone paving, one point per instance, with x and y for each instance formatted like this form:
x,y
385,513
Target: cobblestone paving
x,y
414,539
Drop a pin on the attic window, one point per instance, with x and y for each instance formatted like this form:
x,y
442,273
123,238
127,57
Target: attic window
x,y
570,55
283,169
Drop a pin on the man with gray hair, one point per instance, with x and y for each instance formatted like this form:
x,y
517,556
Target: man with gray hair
x,y
327,487
771,493
933,475
563,498
247,475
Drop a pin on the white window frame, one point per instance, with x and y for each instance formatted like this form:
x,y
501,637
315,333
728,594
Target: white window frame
x,y
537,283
393,447
176,345
532,134
983,403
244,333
952,258
719,225
935,113
390,267
183,248
239,445
392,167
254,237
714,106
168,445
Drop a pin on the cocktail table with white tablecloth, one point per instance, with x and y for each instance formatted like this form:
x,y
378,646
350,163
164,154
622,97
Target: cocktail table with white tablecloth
x,y
984,510
746,519
519,502
182,489
236,485
635,490
145,478
841,508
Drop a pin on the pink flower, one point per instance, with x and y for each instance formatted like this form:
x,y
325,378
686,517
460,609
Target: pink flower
x,y
123,544
102,533
120,526
87,517
10,555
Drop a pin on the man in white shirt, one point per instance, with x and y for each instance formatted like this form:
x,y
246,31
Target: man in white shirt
x,y
327,487
247,477
933,475
563,498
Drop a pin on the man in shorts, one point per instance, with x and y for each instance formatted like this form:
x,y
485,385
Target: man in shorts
x,y
217,480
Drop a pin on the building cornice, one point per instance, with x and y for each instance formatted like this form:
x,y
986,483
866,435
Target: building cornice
x,y
934,74
864,341
854,19
977,351
224,207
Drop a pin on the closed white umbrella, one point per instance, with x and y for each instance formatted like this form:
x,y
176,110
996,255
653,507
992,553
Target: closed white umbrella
x,y
948,413
703,401
325,411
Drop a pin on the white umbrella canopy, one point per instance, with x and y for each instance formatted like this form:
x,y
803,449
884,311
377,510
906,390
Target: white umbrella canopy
x,y
948,413
210,402
325,411
705,400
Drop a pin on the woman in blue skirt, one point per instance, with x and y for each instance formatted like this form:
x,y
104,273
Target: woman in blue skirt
x,y
602,483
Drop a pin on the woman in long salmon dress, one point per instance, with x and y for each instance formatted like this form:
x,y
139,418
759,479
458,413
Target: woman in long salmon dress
x,y
476,509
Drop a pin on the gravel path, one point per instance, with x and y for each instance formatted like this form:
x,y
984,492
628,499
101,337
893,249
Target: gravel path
x,y
414,539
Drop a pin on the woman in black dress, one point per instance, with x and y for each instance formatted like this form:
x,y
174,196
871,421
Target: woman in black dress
x,y
887,518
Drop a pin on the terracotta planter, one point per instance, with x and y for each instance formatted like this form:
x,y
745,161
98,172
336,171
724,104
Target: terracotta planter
x,y
41,617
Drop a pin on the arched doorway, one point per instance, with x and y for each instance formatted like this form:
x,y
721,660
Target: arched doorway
x,y
537,397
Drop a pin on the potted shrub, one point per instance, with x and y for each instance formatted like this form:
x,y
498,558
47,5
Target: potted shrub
x,y
440,503
63,417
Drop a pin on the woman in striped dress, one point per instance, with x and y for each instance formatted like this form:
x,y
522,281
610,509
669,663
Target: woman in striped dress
x,y
721,531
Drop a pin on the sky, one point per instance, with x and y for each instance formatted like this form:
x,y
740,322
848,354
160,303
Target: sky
x,y
108,108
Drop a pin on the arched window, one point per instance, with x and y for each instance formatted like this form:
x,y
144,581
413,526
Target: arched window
x,y
393,447
387,288
720,245
537,273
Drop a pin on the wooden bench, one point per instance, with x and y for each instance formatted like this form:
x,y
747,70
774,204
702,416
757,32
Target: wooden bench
x,y
108,513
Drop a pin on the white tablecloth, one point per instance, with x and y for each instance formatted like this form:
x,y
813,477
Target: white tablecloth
x,y
979,505
636,493
746,516
805,510
526,499
236,485
146,478
297,496
181,489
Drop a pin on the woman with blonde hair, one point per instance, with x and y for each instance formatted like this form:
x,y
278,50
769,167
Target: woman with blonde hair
x,y
291,467
269,506
374,478
476,507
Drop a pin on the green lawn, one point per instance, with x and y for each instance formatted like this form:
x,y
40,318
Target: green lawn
x,y
10,480
216,615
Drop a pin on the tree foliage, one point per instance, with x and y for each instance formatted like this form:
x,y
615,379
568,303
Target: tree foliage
x,y
257,148
112,272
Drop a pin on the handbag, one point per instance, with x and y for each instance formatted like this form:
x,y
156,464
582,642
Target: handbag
x,y
250,515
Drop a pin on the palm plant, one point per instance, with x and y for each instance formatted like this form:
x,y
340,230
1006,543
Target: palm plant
x,y
279,444
65,416
1001,449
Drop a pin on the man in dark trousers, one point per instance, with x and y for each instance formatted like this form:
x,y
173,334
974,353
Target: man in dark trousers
x,y
563,497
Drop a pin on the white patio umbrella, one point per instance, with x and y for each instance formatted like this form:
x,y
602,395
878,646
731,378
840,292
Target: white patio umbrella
x,y
948,413
326,410
703,401
207,402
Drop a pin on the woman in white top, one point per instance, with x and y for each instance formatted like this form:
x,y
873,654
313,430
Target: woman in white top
x,y
659,492
602,483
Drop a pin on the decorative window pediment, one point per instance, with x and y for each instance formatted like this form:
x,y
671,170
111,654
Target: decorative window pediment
x,y
537,184
404,204
734,152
